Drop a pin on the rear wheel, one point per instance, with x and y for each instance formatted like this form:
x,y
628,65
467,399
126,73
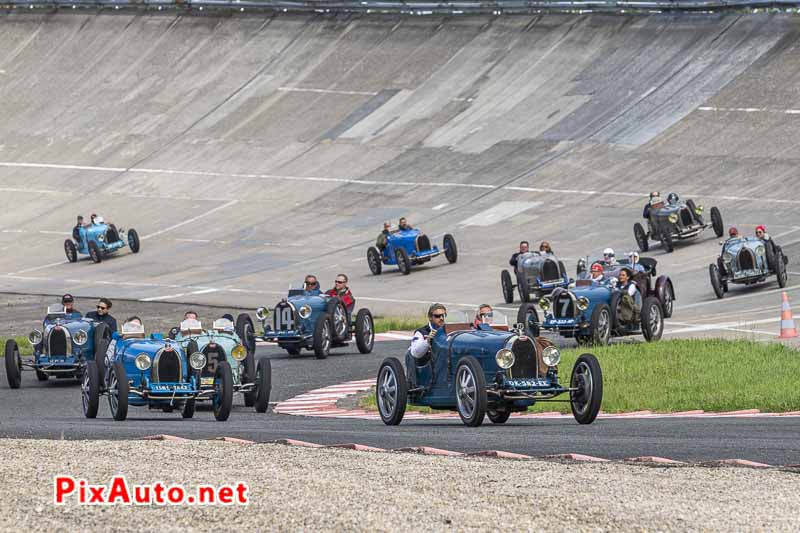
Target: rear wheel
x,y
450,248
263,385
470,391
365,331
528,316
90,390
223,392
588,379
70,251
716,222
403,262
133,240
716,280
13,364
693,208
780,270
652,320
323,335
666,240
94,252
669,300
188,408
246,331
118,389
374,260
641,237
508,287
391,391
41,376
249,377
102,338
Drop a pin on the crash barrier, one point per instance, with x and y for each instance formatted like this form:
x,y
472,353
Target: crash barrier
x,y
498,7
788,329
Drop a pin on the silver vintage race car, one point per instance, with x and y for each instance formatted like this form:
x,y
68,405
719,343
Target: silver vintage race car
x,y
746,261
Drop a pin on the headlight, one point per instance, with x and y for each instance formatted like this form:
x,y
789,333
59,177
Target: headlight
x,y
80,337
505,358
197,360
262,313
143,361
760,250
698,209
551,356
239,352
673,218
544,303
583,303
304,311
727,258
35,336
101,238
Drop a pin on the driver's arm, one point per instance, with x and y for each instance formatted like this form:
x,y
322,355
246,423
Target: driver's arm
x,y
419,345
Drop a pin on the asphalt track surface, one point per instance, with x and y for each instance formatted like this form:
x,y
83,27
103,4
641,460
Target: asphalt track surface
x,y
248,151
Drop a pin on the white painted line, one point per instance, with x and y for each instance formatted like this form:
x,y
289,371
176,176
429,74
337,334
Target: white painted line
x,y
727,325
750,110
440,206
205,291
191,220
50,232
786,232
325,91
32,269
204,241
14,231
60,167
498,213
166,297
739,297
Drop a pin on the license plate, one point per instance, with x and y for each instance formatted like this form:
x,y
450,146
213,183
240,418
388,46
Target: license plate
x,y
527,383
745,274
206,381
561,322
170,388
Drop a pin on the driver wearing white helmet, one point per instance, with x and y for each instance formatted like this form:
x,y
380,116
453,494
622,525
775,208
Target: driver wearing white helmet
x,y
609,257
633,257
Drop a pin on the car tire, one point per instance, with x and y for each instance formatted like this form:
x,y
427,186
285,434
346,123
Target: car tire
x,y
13,364
70,251
498,417
118,389
223,397
189,407
652,319
450,248
471,397
323,336
338,313
246,331
641,237
716,280
716,222
666,240
529,317
391,391
771,253
263,385
41,376
403,262
613,306
133,241
588,378
90,390
374,260
365,331
780,270
292,350
102,338
94,252
507,286
523,289
668,305
249,376
602,324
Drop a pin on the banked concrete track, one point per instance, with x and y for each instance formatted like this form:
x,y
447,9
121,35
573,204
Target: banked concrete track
x,y
250,151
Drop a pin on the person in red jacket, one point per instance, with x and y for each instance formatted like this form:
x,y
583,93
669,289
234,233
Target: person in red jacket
x,y
341,290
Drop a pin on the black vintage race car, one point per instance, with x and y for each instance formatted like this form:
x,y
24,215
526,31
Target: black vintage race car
x,y
536,274
674,220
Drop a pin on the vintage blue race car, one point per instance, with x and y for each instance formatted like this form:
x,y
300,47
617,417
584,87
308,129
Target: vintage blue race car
x,y
61,349
153,372
486,371
221,343
310,320
409,247
747,260
588,311
99,240
537,274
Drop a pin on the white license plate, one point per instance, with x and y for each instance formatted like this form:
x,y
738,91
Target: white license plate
x,y
170,388
527,383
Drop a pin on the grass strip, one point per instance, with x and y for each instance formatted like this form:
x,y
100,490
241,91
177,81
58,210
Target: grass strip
x,y
24,345
398,323
683,375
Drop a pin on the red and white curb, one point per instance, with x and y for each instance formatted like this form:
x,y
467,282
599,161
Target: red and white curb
x,y
322,402
379,337
495,454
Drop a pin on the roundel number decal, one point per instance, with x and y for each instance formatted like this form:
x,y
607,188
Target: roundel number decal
x,y
283,318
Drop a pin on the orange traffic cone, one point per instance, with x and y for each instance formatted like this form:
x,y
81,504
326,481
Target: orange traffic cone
x,y
788,329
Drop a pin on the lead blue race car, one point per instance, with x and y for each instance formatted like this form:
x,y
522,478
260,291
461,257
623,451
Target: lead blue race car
x,y
490,370
311,320
61,348
407,248
156,373
99,240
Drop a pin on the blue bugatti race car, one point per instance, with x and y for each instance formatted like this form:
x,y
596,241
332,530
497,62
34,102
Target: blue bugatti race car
x,y
155,373
488,370
589,310
99,240
221,343
309,319
61,349
406,248
746,261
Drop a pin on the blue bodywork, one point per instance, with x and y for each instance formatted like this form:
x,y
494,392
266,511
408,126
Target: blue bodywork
x,y
745,260
211,341
58,354
288,328
564,316
100,235
409,240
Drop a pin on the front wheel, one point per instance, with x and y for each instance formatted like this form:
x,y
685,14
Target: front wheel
x,y
118,391
70,251
508,286
246,331
133,241
323,334
374,260
641,237
13,364
90,390
666,240
263,385
528,316
716,280
450,248
716,222
365,331
498,417
189,407
94,252
403,262
391,391
587,378
223,392
652,319
601,324
470,391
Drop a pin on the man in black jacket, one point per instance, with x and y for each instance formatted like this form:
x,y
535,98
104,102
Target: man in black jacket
x,y
103,314
523,249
